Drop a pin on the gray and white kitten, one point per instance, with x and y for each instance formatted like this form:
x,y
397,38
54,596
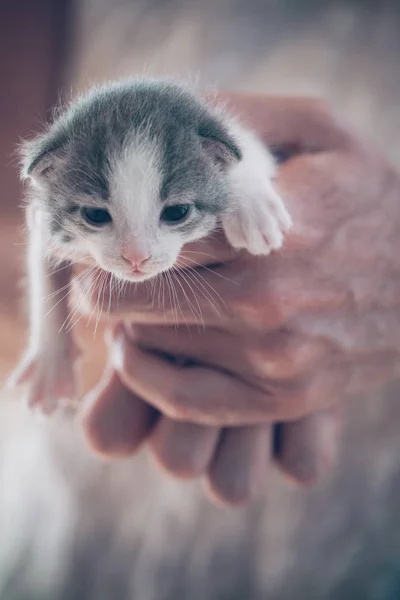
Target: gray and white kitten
x,y
127,175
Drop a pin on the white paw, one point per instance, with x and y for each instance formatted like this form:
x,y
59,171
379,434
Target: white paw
x,y
258,225
48,379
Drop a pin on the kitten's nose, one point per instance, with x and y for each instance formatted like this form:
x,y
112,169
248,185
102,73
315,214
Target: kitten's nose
x,y
136,258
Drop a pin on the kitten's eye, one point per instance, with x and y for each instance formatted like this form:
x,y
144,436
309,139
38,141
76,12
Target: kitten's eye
x,y
175,213
96,216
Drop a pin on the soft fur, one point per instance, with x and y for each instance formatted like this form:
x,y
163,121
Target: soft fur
x,y
134,149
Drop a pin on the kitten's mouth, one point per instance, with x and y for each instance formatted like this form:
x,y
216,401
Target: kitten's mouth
x,y
136,275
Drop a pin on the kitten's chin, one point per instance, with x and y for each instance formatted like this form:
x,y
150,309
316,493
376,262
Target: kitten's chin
x,y
140,275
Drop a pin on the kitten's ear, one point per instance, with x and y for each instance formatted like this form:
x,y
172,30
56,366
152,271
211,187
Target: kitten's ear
x,y
219,144
39,158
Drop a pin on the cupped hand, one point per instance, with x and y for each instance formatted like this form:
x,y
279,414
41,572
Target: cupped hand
x,y
232,358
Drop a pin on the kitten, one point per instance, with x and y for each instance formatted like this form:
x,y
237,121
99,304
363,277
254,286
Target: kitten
x,y
127,175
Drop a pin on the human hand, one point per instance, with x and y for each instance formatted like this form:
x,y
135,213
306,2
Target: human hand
x,y
286,339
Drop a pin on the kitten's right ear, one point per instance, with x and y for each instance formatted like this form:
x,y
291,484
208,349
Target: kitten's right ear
x,y
39,158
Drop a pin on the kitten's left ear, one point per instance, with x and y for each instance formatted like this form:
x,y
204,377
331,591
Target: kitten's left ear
x,y
219,144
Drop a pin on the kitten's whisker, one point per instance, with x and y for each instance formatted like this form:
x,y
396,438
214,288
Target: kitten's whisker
x,y
176,279
94,285
156,290
206,283
160,294
170,294
173,311
196,279
67,265
197,264
50,273
101,301
178,304
57,303
56,293
163,294
196,290
68,285
86,291
110,290
152,289
199,253
69,321
194,286
196,312
97,286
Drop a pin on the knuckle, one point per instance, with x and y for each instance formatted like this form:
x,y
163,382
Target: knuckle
x,y
324,107
259,306
326,112
298,357
293,400
177,403
285,354
285,364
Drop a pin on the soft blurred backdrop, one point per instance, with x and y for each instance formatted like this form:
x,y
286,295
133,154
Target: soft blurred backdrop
x,y
73,528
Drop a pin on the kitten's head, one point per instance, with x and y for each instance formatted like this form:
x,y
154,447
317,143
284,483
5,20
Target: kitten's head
x,y
129,174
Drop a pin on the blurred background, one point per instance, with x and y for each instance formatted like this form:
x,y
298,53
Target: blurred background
x,y
74,528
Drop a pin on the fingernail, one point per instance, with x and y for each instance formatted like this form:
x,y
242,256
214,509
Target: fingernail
x,y
117,352
115,334
130,329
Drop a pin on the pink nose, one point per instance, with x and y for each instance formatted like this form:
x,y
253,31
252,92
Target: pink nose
x,y
136,259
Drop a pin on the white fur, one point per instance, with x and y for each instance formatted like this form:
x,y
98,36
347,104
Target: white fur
x,y
258,218
48,364
135,183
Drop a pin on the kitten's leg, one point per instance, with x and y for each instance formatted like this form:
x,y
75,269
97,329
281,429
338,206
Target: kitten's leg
x,y
47,369
258,221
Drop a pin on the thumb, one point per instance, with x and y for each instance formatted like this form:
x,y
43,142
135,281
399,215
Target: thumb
x,y
298,124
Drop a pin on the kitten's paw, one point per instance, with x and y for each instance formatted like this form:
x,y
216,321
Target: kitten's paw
x,y
258,226
48,380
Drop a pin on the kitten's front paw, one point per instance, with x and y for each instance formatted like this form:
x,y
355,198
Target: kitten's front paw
x,y
258,226
47,380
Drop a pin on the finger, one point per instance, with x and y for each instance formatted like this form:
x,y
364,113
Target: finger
x,y
240,468
307,449
299,123
279,355
189,393
115,421
208,396
183,449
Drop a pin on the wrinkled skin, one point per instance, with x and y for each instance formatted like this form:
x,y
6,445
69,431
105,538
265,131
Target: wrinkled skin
x,y
297,333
